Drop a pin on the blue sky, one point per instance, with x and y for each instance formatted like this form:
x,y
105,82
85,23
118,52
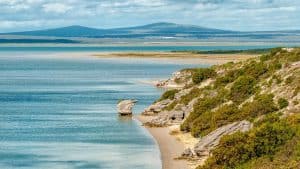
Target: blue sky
x,y
17,15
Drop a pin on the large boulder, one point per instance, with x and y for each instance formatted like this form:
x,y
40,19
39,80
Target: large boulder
x,y
209,142
125,107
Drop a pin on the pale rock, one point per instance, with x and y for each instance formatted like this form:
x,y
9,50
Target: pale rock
x,y
124,107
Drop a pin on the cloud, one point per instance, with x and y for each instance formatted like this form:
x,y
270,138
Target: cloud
x,y
19,15
56,8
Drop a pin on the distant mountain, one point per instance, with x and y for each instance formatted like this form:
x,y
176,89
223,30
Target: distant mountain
x,y
152,30
161,31
70,31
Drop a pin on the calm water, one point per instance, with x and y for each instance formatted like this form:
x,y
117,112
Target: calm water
x,y
61,112
131,48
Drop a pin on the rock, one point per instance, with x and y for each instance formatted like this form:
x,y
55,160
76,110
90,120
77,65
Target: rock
x,y
187,153
159,121
156,107
125,107
178,80
209,142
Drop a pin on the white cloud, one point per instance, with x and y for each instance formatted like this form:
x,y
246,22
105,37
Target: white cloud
x,y
56,8
227,14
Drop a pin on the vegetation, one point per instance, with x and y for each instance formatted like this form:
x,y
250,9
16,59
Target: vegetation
x,y
263,141
249,51
283,103
198,75
170,94
257,90
242,88
194,93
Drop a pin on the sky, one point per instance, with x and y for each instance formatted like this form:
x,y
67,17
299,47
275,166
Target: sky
x,y
242,15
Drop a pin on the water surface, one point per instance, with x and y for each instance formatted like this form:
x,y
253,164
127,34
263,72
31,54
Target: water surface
x,y
61,112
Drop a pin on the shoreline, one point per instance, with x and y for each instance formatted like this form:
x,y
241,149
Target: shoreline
x,y
178,57
170,147
161,57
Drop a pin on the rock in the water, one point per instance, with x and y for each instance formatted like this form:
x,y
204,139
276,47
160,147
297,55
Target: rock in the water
x,y
125,107
209,142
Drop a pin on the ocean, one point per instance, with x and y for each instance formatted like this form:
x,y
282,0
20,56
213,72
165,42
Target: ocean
x,y
60,112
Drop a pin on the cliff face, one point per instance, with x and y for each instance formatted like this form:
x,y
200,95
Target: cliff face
x,y
257,100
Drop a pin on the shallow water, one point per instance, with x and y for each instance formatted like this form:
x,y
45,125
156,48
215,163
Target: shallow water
x,y
61,112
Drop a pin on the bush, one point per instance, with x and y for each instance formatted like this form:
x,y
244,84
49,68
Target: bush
x,y
200,107
271,55
229,77
255,69
242,88
239,148
170,94
194,93
209,121
261,105
202,74
271,135
283,103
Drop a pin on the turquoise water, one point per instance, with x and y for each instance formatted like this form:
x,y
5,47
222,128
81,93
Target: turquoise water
x,y
61,112
130,48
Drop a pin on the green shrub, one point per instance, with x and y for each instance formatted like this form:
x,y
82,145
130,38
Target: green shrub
x,y
271,55
224,115
209,121
242,88
271,135
170,94
277,79
261,105
171,106
200,107
229,77
275,65
201,125
202,74
283,103
255,69
195,92
238,148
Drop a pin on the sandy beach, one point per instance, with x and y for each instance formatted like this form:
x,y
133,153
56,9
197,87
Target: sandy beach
x,y
178,57
170,147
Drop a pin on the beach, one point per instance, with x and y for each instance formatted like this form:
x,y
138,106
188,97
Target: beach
x,y
177,57
170,147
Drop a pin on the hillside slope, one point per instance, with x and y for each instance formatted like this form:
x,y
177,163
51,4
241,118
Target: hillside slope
x,y
245,114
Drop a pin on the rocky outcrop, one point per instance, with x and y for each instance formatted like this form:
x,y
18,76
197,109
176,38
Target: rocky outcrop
x,y
156,108
125,107
209,142
178,80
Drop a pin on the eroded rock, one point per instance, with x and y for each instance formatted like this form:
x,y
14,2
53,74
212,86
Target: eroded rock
x,y
209,142
125,107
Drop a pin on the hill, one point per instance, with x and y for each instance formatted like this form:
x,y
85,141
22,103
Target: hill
x,y
246,115
156,29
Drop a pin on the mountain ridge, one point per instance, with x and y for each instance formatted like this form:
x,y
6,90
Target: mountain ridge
x,y
154,29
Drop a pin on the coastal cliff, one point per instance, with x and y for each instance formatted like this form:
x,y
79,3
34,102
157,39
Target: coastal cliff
x,y
236,115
